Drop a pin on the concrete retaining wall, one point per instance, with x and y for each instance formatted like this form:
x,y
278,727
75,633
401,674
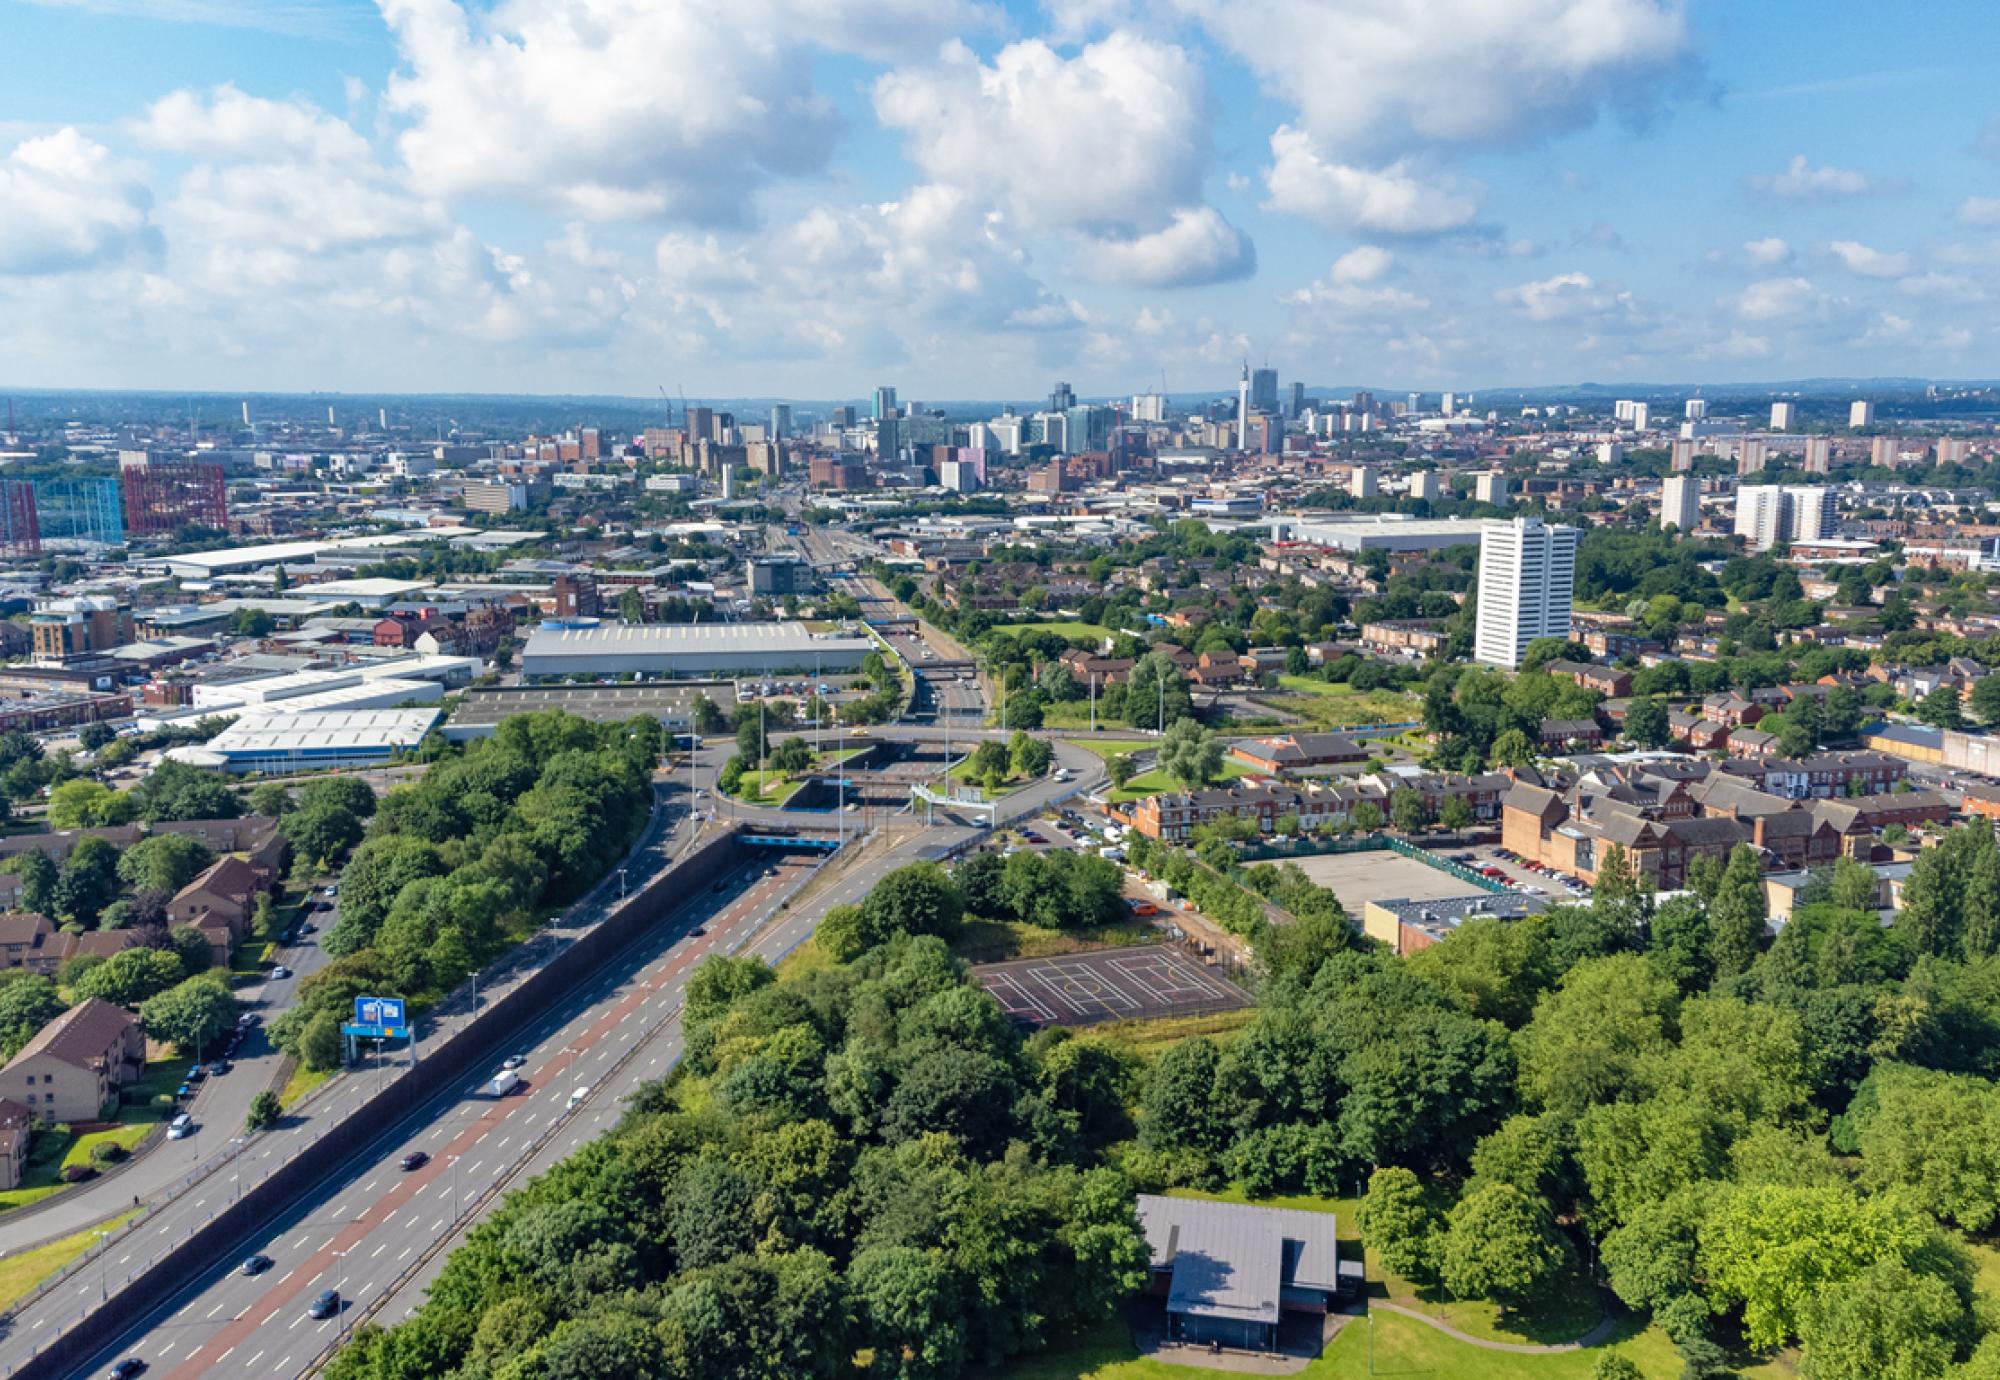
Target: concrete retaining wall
x,y
441,1068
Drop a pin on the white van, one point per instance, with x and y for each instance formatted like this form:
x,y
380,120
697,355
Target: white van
x,y
579,1097
181,1127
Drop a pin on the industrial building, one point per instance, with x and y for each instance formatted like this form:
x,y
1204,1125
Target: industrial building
x,y
1377,532
338,739
686,649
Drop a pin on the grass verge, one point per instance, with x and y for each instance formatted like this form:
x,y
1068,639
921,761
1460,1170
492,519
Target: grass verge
x,y
20,1273
990,941
1155,781
1096,632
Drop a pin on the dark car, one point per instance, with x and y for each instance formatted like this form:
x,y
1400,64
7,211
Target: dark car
x,y
254,1265
326,1305
698,931
128,1368
218,1068
416,1159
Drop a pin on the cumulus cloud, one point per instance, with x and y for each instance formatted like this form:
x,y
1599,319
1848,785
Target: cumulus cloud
x,y
229,124
1372,79
1197,247
1774,299
630,107
1115,137
1566,296
1387,201
1802,181
70,205
1363,264
1768,251
1870,263
1979,211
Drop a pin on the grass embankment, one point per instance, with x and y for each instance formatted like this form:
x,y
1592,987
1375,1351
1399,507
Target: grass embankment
x,y
1153,1036
1117,747
1094,632
302,1081
990,941
1155,781
1342,706
1074,716
19,1274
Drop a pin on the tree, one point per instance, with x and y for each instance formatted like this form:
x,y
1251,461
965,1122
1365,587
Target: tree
x,y
1511,748
1366,815
319,1041
38,880
1854,885
88,881
631,607
163,862
28,1001
709,720
1614,1366
252,623
1456,813
1156,692
271,798
193,1014
1646,722
1030,755
1501,1245
1190,754
750,740
321,834
86,804
1736,915
264,1111
1120,768
177,791
349,793
191,948
94,736
132,977
1942,708
1180,1108
910,1312
918,899
1400,1224
1589,1037
792,755
1406,808
989,763
1888,1321
1024,708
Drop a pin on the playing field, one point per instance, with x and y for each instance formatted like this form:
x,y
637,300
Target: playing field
x,y
1109,985
1358,878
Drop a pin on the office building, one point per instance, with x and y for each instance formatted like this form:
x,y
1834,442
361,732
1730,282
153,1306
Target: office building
x,y
1491,487
73,629
889,438
1680,503
837,472
1861,413
1784,416
1264,390
1149,407
486,497
777,575
843,417
1819,454
885,403
1087,427
1697,408
1445,401
1062,398
781,421
1527,576
1298,407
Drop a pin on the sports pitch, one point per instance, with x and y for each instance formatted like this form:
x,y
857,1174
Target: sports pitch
x,y
1110,985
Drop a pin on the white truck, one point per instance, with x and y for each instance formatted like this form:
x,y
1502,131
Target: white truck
x,y
502,1083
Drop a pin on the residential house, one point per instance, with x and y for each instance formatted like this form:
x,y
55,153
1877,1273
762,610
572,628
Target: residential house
x,y
33,942
1609,681
17,1128
225,892
73,1067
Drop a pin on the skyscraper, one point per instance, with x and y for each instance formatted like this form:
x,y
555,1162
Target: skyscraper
x,y
1682,455
1784,416
1264,390
1062,398
1697,408
1861,413
1767,514
885,403
1812,516
1680,503
1424,485
1298,400
1243,399
1750,454
1819,455
1149,407
781,421
1527,576
1445,404
1491,487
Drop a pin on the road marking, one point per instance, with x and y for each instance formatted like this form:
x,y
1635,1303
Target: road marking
x,y
406,1252
225,1356
252,1362
378,1250
218,1308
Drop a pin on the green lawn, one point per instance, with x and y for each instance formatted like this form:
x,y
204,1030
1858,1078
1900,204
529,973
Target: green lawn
x,y
962,772
302,1081
766,787
1096,632
1342,706
1155,781
1074,715
21,1272
1114,747
138,1104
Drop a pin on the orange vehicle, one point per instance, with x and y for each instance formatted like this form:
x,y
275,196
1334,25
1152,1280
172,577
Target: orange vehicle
x,y
1140,907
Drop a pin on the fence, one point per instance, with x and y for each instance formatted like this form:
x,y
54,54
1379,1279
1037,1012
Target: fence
x,y
1311,847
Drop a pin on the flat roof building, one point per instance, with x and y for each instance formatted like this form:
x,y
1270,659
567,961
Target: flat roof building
x,y
1378,532
686,649
481,711
312,741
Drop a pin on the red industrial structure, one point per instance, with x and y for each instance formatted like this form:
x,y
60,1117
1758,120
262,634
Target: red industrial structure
x,y
163,496
20,526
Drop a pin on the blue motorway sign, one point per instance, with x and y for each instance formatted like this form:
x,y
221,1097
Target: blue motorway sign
x,y
378,1011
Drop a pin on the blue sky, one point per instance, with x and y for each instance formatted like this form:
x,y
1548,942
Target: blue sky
x,y
806,197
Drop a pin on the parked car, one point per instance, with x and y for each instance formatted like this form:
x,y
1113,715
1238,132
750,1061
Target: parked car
x,y
181,1127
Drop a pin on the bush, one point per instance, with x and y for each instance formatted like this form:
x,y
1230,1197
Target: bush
x,y
78,1173
108,1152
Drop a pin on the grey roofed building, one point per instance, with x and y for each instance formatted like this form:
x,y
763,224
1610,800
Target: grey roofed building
x,y
1230,1271
686,649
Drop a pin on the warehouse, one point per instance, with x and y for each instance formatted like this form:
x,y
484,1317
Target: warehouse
x,y
686,649
337,739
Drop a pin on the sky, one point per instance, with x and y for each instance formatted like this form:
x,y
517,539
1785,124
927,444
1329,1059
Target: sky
x,y
968,200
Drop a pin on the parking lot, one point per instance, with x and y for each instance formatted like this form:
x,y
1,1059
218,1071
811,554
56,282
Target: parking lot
x,y
1358,878
1108,985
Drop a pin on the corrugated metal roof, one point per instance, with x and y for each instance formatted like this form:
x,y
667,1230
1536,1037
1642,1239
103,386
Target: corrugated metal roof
x,y
1234,1260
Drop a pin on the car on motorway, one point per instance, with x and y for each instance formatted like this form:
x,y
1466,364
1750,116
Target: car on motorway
x,y
698,931
579,1097
513,1061
128,1368
326,1305
254,1265
416,1159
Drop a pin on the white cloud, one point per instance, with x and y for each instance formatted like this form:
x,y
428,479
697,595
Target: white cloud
x,y
1774,299
70,205
1870,263
1738,344
1387,201
1199,246
1801,181
1114,139
631,107
1768,251
235,126
1560,298
1369,79
1942,286
1981,211
1363,264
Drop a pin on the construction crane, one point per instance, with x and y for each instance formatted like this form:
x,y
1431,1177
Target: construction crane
x,y
684,406
668,403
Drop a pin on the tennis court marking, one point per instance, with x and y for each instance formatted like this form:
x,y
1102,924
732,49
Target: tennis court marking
x,y
1104,985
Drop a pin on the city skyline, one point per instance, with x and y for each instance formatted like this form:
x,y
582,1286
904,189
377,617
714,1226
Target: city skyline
x,y
974,199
